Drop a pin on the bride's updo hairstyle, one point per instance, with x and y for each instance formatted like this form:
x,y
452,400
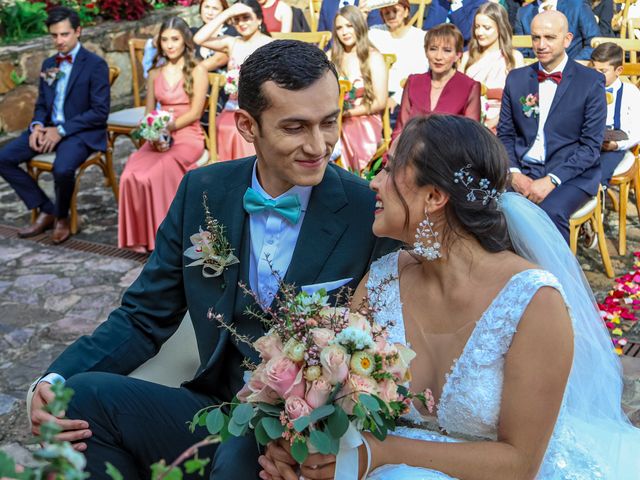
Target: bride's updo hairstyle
x,y
438,146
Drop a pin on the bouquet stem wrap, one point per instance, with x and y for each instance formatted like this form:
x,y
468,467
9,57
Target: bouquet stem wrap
x,y
347,458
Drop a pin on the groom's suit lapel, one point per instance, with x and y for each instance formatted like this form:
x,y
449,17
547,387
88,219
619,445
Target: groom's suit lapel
x,y
563,87
321,230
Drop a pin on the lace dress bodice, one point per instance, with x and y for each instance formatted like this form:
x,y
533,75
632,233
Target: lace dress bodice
x,y
469,406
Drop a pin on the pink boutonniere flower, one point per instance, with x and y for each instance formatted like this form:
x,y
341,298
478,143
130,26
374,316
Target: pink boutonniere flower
x,y
530,105
50,75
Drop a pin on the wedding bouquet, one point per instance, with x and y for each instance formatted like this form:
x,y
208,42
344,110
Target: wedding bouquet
x,y
231,81
326,373
154,127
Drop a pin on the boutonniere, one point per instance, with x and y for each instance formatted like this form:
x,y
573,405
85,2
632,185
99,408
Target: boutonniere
x,y
210,248
50,75
530,105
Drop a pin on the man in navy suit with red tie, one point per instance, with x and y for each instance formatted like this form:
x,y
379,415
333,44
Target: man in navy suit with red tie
x,y
552,124
70,119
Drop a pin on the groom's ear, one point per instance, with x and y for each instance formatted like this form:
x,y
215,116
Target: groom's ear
x,y
246,125
435,199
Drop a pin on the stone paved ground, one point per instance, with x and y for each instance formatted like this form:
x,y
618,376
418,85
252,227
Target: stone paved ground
x,y
50,295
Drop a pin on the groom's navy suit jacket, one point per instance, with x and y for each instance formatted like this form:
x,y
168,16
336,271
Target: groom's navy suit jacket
x,y
574,129
86,105
335,242
582,23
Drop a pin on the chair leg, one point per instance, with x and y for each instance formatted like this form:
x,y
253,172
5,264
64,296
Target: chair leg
x,y
574,230
110,173
614,199
622,218
73,220
602,239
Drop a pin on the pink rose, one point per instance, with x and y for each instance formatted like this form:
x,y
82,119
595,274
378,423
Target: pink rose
x,y
318,393
359,321
322,336
256,390
335,363
388,390
296,407
281,374
149,121
352,389
398,366
268,346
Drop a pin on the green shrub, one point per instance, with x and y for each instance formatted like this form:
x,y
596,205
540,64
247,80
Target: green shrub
x,y
20,20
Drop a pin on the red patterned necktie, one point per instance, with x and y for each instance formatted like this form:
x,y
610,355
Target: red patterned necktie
x,y
63,58
554,77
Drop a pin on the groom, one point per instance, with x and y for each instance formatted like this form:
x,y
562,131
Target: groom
x,y
305,219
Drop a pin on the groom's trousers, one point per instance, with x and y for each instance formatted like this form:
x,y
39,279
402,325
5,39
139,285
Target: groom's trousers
x,y
136,423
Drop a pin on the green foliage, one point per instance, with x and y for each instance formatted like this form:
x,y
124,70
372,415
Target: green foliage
x,y
113,472
87,9
375,168
299,450
22,20
17,79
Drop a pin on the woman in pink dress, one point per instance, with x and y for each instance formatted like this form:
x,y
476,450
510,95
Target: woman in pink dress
x,y
442,89
363,65
152,174
491,57
246,16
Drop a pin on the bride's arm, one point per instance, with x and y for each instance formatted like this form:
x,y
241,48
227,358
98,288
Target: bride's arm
x,y
535,375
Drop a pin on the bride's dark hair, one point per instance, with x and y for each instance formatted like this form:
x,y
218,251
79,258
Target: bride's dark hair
x,y
437,147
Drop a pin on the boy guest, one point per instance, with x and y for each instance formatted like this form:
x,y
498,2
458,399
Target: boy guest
x,y
70,119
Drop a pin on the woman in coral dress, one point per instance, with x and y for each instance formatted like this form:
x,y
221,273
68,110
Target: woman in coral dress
x,y
363,65
152,174
246,16
490,58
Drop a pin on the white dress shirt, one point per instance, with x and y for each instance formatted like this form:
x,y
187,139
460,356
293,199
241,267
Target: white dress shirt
x,y
629,113
273,240
546,92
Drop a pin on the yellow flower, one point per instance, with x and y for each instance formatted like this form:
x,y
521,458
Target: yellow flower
x,y
362,363
312,373
617,331
294,350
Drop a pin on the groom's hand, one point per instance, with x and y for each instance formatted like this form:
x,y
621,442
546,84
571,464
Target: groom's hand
x,y
72,430
278,463
319,467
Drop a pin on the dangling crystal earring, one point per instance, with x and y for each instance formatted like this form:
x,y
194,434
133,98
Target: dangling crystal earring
x,y
427,244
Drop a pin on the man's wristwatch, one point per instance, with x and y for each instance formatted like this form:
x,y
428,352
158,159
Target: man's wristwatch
x,y
61,131
554,180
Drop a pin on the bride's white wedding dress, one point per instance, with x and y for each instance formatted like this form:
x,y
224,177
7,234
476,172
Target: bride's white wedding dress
x,y
469,406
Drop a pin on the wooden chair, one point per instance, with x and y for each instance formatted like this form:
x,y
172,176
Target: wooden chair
x,y
124,122
345,86
44,163
620,17
216,82
630,46
417,20
389,60
633,25
320,39
314,14
625,177
591,212
522,41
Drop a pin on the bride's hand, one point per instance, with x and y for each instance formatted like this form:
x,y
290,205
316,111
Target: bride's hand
x,y
319,467
277,462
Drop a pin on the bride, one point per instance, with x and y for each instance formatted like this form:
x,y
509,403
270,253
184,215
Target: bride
x,y
511,344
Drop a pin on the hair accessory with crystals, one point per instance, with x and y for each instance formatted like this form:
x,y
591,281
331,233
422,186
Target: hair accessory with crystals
x,y
427,244
483,191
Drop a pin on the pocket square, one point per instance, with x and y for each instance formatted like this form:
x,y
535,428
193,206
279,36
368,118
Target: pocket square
x,y
328,286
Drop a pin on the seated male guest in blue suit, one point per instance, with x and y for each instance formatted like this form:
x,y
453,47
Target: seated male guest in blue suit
x,y
307,219
329,10
70,119
582,24
458,12
552,124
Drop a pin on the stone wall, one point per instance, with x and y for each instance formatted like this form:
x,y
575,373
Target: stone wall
x,y
109,40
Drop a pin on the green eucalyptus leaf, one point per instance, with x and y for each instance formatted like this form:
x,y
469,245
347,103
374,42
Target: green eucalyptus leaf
x,y
215,421
321,412
369,402
301,423
236,429
273,427
242,414
338,422
321,441
299,451
113,472
194,465
270,409
261,434
359,412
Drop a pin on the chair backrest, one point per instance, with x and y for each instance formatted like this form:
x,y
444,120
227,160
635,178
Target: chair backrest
x,y
417,20
136,51
114,73
216,82
320,39
619,20
314,14
633,24
389,60
630,46
522,41
631,73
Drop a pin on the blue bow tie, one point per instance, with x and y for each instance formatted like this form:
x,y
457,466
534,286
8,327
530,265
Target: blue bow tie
x,y
287,207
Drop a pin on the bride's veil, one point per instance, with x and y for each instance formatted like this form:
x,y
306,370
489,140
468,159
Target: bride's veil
x,y
594,389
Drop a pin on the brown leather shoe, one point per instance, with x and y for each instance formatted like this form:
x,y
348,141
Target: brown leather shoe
x,y
43,222
61,232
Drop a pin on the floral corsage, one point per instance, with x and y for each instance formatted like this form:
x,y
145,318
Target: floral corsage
x,y
50,75
210,248
530,105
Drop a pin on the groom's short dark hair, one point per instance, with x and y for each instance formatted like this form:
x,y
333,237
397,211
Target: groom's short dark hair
x,y
290,64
